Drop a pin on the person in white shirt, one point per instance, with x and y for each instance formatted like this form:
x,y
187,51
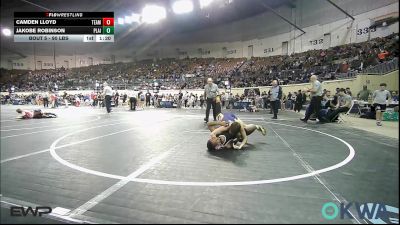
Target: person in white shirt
x,y
381,101
316,98
107,93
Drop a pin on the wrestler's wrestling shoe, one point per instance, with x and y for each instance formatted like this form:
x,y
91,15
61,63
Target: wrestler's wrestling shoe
x,y
262,130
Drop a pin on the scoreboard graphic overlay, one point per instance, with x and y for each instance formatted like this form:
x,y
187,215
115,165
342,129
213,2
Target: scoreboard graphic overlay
x,y
63,26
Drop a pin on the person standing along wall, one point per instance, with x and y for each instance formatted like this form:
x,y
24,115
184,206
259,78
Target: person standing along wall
x,y
223,100
180,97
186,99
275,98
382,98
298,102
364,94
65,96
116,99
132,101
46,99
201,101
148,97
53,100
124,98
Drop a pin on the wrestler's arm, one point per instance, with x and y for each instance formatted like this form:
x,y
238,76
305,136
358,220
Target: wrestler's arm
x,y
244,137
240,121
216,123
219,130
212,125
229,145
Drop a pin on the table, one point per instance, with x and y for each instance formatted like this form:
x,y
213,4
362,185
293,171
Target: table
x,y
391,105
18,101
360,107
166,104
241,105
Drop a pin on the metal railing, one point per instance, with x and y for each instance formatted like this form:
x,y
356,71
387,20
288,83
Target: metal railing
x,y
383,68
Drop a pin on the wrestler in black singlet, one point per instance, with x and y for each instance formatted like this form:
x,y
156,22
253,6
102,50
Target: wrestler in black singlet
x,y
226,137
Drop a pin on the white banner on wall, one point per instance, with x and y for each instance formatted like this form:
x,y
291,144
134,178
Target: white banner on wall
x,y
362,30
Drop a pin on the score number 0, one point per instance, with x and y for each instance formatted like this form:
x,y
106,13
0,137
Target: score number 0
x,y
108,25
108,22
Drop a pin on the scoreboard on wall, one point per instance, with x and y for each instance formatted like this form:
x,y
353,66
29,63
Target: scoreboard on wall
x,y
63,26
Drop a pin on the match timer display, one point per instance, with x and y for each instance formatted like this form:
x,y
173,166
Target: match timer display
x,y
63,26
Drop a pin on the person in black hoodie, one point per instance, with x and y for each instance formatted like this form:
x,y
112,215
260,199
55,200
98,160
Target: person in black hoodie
x,y
299,102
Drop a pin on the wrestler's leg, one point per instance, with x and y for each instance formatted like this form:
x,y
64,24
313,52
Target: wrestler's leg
x,y
250,128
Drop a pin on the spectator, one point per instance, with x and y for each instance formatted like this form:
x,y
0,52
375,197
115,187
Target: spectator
x,y
348,91
343,106
284,101
299,101
180,97
148,97
132,101
381,101
116,98
46,99
364,93
201,101
168,73
124,98
275,98
382,55
395,96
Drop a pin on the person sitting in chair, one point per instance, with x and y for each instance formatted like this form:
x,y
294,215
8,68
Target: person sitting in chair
x,y
343,106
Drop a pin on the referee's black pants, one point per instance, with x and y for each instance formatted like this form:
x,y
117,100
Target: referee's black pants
x,y
274,107
46,102
132,101
211,103
315,107
108,103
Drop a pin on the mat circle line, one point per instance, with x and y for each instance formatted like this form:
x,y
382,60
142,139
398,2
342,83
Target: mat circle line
x,y
207,184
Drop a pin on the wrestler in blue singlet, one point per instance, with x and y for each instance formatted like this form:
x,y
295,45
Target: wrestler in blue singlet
x,y
227,117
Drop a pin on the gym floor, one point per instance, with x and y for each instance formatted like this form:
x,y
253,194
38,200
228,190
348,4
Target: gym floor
x,y
152,166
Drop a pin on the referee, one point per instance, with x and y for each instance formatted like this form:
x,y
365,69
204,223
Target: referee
x,y
316,98
107,92
210,92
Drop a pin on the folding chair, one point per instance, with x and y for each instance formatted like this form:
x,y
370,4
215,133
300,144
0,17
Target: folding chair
x,y
340,117
351,107
355,108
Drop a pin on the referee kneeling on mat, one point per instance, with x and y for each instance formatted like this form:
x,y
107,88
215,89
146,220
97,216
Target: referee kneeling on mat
x,y
210,92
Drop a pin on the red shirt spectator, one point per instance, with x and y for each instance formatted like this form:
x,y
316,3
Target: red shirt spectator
x,y
383,55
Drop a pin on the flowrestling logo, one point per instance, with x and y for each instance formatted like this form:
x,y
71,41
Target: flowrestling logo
x,y
376,213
